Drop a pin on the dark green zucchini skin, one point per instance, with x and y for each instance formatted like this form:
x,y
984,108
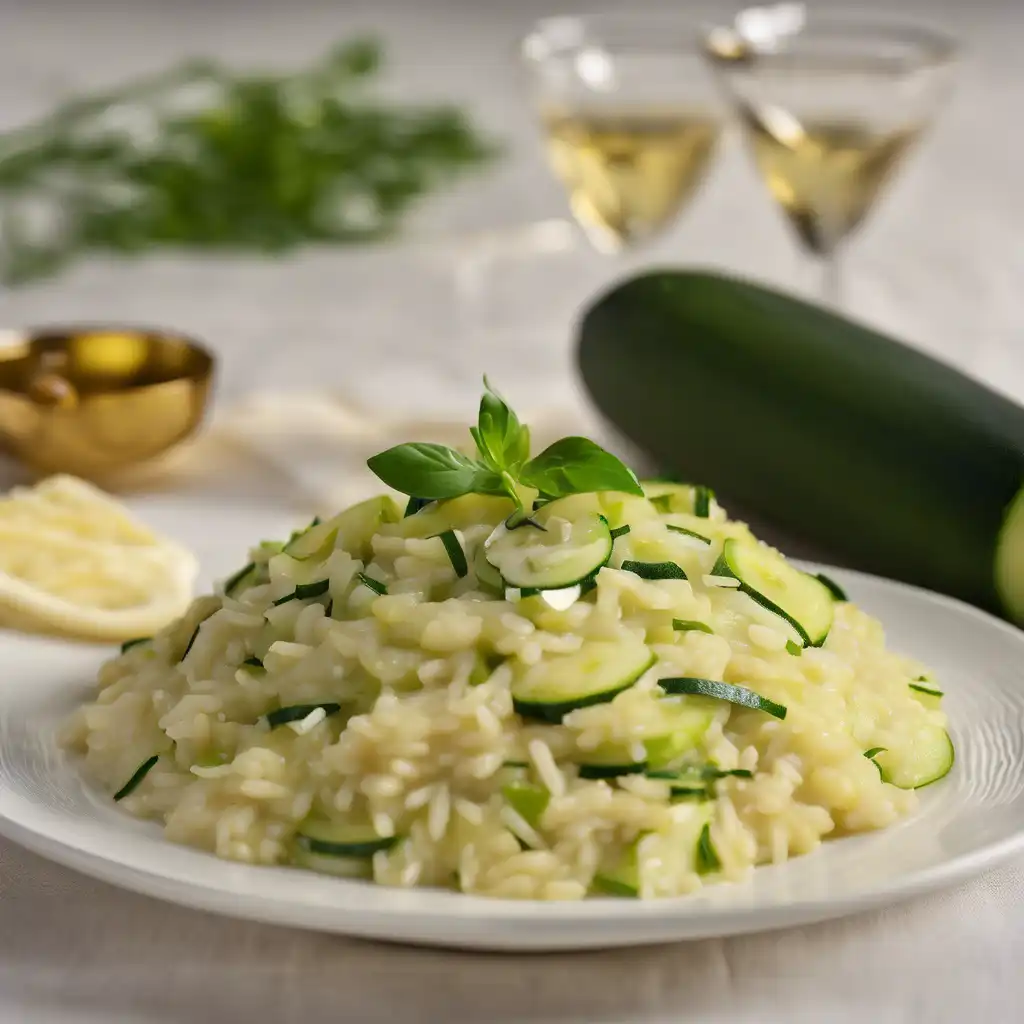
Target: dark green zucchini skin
x,y
882,457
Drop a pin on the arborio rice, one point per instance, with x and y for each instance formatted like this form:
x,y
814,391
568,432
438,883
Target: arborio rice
x,y
299,716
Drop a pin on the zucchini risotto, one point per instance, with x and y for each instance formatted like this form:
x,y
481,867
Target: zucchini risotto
x,y
622,694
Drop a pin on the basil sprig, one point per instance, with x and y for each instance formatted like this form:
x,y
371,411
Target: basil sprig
x,y
502,465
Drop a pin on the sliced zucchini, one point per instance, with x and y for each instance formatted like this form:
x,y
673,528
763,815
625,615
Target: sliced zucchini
x,y
487,576
619,875
803,601
871,755
686,723
483,667
315,539
702,498
137,776
927,758
332,864
926,695
668,497
129,644
246,577
342,839
571,546
253,663
722,691
654,570
837,591
623,510
297,712
595,673
620,531
528,799
351,530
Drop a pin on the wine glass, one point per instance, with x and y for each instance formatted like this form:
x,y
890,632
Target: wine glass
x,y
830,106
630,115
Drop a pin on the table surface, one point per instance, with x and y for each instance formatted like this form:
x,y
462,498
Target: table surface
x,y
940,265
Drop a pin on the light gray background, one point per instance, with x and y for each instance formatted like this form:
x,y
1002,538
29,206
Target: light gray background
x,y
941,264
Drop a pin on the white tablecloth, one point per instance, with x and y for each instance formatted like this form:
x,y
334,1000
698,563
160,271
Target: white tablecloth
x,y
941,264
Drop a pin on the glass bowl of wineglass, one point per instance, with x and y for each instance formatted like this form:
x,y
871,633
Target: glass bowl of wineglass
x,y
830,106
631,118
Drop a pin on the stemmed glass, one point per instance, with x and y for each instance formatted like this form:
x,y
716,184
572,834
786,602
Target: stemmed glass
x,y
630,115
829,107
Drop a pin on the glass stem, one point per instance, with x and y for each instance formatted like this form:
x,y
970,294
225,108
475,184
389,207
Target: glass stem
x,y
831,280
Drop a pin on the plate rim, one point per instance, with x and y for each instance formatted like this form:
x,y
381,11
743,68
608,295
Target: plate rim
x,y
433,918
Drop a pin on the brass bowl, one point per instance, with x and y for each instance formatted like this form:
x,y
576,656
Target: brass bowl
x,y
92,401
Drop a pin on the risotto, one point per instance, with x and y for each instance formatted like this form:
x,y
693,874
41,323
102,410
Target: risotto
x,y
622,694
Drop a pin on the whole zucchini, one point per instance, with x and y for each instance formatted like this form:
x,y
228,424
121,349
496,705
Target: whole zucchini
x,y
884,458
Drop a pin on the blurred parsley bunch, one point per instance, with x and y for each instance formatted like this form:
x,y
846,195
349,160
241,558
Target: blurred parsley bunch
x,y
200,158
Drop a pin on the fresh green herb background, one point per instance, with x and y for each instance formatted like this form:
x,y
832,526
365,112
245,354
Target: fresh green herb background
x,y
199,157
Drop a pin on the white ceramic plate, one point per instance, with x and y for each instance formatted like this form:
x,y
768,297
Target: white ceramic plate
x,y
967,823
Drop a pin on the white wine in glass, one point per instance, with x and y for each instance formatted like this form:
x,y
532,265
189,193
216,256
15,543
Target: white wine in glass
x,y
630,116
830,108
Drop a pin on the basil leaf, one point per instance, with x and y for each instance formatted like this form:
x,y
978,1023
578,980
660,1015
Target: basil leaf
x,y
503,441
576,465
429,471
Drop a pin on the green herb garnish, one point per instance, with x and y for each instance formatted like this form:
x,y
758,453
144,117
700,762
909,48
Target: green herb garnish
x,y
792,647
711,771
707,856
140,773
260,162
305,591
501,465
380,589
297,712
686,625
683,530
689,793
455,553
722,691
191,641
702,501
926,690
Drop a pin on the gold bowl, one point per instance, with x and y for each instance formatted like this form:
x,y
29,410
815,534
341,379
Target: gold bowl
x,y
92,401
